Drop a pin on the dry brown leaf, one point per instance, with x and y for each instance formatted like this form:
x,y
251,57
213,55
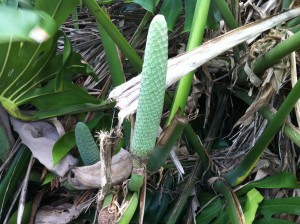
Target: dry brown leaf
x,y
262,100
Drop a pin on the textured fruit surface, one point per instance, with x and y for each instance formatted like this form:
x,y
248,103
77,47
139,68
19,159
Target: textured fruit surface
x,y
153,81
86,145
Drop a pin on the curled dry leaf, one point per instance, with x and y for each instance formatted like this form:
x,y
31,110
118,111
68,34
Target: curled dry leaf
x,y
61,214
262,100
87,177
40,137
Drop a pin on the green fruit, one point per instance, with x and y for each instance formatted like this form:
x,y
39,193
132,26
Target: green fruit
x,y
86,145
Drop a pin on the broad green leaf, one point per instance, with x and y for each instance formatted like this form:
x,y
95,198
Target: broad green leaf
x,y
211,206
222,218
149,5
278,180
171,9
25,80
27,69
189,14
23,24
58,9
252,202
269,208
286,4
63,146
214,17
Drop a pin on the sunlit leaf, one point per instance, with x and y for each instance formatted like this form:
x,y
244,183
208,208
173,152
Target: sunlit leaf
x,y
252,202
23,24
278,180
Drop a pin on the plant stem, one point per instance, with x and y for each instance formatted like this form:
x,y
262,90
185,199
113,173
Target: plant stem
x,y
195,39
275,54
238,174
114,33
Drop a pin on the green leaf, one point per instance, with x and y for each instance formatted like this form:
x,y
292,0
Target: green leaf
x,y
171,10
27,77
49,177
131,202
23,24
269,208
63,146
58,9
189,14
214,17
46,98
149,5
15,172
278,180
252,202
212,204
